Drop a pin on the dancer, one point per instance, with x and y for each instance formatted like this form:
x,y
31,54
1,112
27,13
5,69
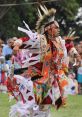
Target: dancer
x,y
44,82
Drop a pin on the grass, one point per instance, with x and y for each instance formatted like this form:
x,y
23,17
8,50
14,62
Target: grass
x,y
73,109
4,105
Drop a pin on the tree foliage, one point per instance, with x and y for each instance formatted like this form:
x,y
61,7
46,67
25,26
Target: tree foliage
x,y
13,16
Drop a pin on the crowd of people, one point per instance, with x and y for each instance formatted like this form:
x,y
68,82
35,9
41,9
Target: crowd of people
x,y
42,68
8,51
78,69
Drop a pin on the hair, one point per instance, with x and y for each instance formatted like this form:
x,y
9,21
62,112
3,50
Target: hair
x,y
1,46
46,35
9,40
1,41
7,57
48,24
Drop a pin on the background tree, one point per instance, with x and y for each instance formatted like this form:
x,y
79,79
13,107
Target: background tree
x,y
14,17
11,19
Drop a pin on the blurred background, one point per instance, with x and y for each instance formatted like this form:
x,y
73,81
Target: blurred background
x,y
13,12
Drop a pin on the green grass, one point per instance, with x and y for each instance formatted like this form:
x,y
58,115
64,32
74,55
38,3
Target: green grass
x,y
73,109
4,105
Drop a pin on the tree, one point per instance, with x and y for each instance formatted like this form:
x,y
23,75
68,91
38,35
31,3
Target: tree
x,y
13,18
66,12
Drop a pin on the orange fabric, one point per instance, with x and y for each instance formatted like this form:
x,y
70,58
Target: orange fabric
x,y
46,68
60,72
63,83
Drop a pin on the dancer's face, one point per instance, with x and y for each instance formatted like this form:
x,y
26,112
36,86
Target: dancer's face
x,y
53,30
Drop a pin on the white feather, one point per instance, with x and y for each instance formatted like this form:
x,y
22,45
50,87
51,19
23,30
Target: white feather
x,y
39,14
72,34
44,10
26,25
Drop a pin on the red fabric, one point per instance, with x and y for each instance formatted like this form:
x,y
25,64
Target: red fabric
x,y
24,39
69,46
10,84
3,77
39,65
30,98
47,100
51,44
22,97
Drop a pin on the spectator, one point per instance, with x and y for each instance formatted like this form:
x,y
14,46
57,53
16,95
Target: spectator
x,y
1,42
76,46
3,70
74,89
79,76
7,49
0,50
79,49
80,43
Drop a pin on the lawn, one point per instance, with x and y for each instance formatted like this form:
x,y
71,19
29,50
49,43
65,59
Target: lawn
x,y
73,109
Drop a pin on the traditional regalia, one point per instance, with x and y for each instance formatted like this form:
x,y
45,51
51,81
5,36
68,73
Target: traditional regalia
x,y
71,50
43,82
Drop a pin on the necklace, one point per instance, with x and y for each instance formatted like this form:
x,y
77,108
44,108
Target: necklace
x,y
51,38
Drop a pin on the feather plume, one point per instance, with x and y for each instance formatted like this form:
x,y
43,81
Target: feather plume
x,y
39,14
45,19
44,10
26,25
